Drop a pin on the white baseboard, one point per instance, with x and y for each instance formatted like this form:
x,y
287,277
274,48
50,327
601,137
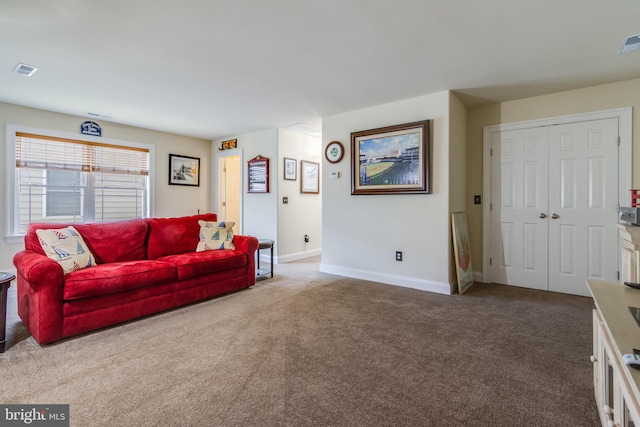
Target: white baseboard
x,y
477,276
264,256
389,279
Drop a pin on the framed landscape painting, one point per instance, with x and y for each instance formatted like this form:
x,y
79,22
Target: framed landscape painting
x,y
391,160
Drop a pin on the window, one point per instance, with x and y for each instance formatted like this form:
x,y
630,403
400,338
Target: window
x,y
67,180
63,194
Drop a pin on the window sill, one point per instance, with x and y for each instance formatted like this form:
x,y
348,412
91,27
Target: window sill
x,y
14,239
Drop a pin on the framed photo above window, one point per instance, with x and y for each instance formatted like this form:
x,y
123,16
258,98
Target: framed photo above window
x,y
184,170
309,177
391,160
290,166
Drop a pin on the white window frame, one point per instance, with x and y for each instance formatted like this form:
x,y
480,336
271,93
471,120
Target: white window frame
x,y
11,215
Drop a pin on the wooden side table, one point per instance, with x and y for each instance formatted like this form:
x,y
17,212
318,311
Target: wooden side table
x,y
5,282
264,244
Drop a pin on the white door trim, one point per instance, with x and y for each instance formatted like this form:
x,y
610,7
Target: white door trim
x,y
216,177
624,116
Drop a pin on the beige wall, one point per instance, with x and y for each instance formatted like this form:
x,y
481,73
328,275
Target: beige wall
x,y
169,200
302,215
604,97
360,233
458,199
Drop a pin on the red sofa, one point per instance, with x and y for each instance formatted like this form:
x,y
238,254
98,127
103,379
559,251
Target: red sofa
x,y
143,266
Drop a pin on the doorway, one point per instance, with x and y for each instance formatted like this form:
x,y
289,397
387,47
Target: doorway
x,y
229,200
554,192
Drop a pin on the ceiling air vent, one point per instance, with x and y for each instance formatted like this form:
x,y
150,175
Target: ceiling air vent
x,y
630,43
25,70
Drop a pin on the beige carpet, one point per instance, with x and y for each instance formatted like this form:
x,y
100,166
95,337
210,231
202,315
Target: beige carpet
x,y
312,349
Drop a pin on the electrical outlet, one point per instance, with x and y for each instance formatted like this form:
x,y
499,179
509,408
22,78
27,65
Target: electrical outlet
x,y
398,256
477,199
306,238
285,200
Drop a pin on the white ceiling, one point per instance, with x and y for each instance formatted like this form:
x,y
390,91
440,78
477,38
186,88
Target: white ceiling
x,y
217,68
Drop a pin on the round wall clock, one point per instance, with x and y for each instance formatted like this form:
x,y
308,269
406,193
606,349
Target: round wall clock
x,y
334,152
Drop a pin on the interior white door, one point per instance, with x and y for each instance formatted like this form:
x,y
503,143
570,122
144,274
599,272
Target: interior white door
x,y
230,190
519,208
583,204
554,206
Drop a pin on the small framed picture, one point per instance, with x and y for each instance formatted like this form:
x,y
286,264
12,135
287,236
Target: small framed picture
x,y
290,169
309,177
184,170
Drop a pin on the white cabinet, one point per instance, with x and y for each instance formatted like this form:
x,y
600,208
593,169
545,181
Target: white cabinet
x,y
613,392
615,332
630,255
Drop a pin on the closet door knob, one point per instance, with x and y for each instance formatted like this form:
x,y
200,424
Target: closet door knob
x,y
555,216
543,215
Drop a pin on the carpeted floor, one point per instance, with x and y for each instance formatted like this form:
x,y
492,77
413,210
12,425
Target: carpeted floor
x,y
312,349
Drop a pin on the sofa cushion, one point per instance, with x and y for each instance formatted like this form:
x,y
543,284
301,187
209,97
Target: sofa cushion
x,y
215,235
108,241
116,241
66,247
115,277
171,236
193,264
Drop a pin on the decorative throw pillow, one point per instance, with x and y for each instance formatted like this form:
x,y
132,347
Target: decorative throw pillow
x,y
67,247
215,235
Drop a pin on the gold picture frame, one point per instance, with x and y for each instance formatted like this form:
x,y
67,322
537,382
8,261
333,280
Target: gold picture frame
x,y
392,160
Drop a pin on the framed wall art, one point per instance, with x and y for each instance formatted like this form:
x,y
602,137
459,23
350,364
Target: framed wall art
x,y
391,160
229,144
334,152
184,170
309,177
462,251
290,169
258,168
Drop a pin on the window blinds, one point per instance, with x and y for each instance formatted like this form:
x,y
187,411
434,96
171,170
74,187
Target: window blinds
x,y
45,152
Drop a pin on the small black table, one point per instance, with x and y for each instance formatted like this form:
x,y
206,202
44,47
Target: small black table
x,y
5,282
264,244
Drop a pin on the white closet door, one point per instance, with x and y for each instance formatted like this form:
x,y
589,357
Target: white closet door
x,y
519,208
555,205
583,204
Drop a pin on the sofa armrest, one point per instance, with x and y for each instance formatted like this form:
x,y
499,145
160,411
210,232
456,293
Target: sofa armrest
x,y
38,270
248,245
40,284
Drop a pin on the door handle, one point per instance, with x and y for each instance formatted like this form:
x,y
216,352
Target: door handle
x,y
543,215
555,216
